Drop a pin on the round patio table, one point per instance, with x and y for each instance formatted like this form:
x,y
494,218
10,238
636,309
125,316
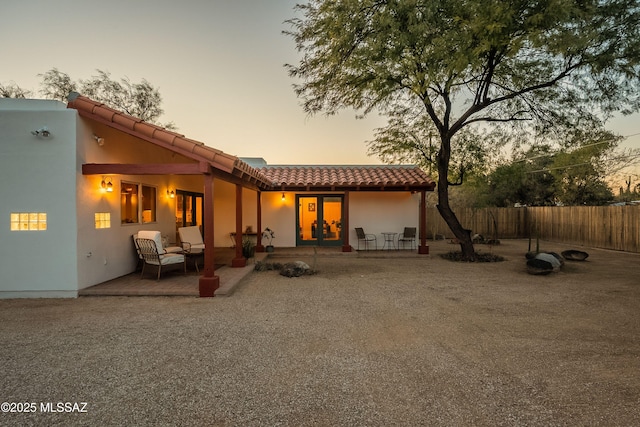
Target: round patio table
x,y
389,240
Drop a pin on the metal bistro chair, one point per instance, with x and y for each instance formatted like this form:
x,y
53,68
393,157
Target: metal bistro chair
x,y
149,253
366,238
407,236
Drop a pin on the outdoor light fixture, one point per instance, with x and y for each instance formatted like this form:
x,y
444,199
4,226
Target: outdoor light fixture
x,y
106,184
283,198
171,194
43,132
99,140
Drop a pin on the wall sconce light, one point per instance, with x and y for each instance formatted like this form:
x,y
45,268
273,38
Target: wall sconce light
x,y
99,140
43,132
106,184
283,198
171,194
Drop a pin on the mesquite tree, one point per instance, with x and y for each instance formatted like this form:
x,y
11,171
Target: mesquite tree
x,y
527,66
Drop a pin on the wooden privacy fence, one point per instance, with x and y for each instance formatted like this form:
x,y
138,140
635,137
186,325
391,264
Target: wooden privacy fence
x,y
608,227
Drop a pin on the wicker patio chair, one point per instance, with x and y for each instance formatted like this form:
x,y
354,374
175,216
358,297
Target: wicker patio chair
x,y
151,256
191,239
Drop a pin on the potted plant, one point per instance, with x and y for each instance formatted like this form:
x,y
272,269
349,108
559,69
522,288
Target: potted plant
x,y
270,235
248,248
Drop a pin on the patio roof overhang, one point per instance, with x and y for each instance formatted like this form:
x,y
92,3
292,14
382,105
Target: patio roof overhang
x,y
206,160
348,178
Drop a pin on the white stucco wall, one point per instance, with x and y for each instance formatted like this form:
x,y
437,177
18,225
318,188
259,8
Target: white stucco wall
x,y
376,212
38,175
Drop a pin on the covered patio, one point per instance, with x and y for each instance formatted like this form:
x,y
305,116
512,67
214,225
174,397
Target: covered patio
x,y
171,154
175,283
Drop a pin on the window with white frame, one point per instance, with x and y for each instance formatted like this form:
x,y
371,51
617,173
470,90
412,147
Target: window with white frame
x,y
103,220
148,204
129,203
138,203
28,221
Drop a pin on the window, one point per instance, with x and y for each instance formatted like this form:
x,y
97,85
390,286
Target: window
x,y
103,220
148,204
28,221
138,203
129,203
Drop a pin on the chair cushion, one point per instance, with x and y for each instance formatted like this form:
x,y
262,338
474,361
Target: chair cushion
x,y
153,235
171,259
168,259
173,249
191,235
197,247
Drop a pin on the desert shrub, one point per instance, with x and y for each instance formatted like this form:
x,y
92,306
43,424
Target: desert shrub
x,y
479,257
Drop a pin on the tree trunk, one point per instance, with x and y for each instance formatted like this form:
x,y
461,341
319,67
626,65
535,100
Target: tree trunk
x,y
463,235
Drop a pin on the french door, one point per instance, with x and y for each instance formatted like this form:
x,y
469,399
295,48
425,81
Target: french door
x,y
189,209
319,220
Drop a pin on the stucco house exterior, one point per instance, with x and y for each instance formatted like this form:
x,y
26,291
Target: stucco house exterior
x,y
79,179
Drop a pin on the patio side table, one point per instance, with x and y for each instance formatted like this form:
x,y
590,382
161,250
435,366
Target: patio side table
x,y
389,240
195,256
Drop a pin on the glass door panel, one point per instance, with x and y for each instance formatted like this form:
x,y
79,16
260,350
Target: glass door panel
x,y
331,218
319,220
189,209
308,219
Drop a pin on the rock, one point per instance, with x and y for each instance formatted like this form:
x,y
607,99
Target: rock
x,y
295,269
574,255
559,257
539,266
550,258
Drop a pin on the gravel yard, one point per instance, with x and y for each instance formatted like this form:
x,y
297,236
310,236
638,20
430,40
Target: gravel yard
x,y
367,341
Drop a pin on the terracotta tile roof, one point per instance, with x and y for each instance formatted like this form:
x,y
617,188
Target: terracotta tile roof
x,y
275,178
190,148
348,177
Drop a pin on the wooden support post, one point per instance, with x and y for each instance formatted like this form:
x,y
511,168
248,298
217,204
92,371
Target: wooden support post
x,y
239,260
259,246
208,282
346,246
423,248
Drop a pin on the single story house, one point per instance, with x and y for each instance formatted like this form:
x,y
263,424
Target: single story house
x,y
79,180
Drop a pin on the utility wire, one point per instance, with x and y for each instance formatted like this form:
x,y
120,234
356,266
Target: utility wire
x,y
581,164
583,146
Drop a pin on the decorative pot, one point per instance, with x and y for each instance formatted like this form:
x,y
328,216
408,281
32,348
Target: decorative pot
x,y
270,248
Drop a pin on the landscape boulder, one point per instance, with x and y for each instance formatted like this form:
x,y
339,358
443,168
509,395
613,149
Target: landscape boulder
x,y
539,266
295,269
574,255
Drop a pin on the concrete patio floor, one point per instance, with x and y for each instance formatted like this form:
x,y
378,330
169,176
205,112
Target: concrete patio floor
x,y
174,283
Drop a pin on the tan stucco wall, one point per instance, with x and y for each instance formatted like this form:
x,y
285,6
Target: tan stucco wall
x,y
104,254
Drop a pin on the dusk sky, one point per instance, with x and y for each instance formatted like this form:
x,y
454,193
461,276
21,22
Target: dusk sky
x,y
219,66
